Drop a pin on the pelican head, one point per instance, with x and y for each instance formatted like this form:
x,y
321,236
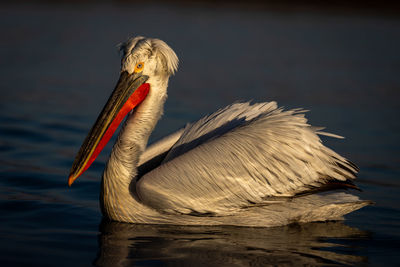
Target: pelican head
x,y
157,59
146,65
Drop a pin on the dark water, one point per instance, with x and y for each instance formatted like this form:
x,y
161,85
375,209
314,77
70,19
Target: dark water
x,y
58,64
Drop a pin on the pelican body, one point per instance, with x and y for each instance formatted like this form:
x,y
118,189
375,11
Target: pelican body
x,y
246,164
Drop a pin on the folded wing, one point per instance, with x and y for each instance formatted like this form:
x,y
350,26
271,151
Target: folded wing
x,y
240,156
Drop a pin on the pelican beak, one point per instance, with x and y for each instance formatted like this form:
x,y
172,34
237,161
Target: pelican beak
x,y
129,92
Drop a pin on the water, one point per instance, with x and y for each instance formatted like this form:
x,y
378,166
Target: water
x,y
59,64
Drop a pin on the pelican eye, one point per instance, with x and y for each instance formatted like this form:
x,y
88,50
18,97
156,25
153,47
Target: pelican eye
x,y
139,67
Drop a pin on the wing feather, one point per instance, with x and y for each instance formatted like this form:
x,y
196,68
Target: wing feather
x,y
154,155
160,147
239,155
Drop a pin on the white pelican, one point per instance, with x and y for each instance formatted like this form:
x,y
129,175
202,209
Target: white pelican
x,y
246,164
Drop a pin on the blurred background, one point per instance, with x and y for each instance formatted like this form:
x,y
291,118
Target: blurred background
x,y
59,62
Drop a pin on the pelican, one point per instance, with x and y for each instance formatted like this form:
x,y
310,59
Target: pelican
x,y
248,164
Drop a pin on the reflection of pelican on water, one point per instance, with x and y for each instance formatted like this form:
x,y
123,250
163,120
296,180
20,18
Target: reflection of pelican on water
x,y
123,244
246,164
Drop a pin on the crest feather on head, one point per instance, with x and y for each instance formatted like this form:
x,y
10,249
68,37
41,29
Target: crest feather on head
x,y
153,45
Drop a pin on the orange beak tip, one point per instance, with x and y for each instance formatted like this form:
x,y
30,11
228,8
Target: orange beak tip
x,y
71,179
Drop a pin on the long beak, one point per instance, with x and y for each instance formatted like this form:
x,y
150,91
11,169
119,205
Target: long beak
x,y
129,92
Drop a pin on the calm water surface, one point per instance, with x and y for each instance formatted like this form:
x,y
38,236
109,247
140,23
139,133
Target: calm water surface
x,y
58,65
